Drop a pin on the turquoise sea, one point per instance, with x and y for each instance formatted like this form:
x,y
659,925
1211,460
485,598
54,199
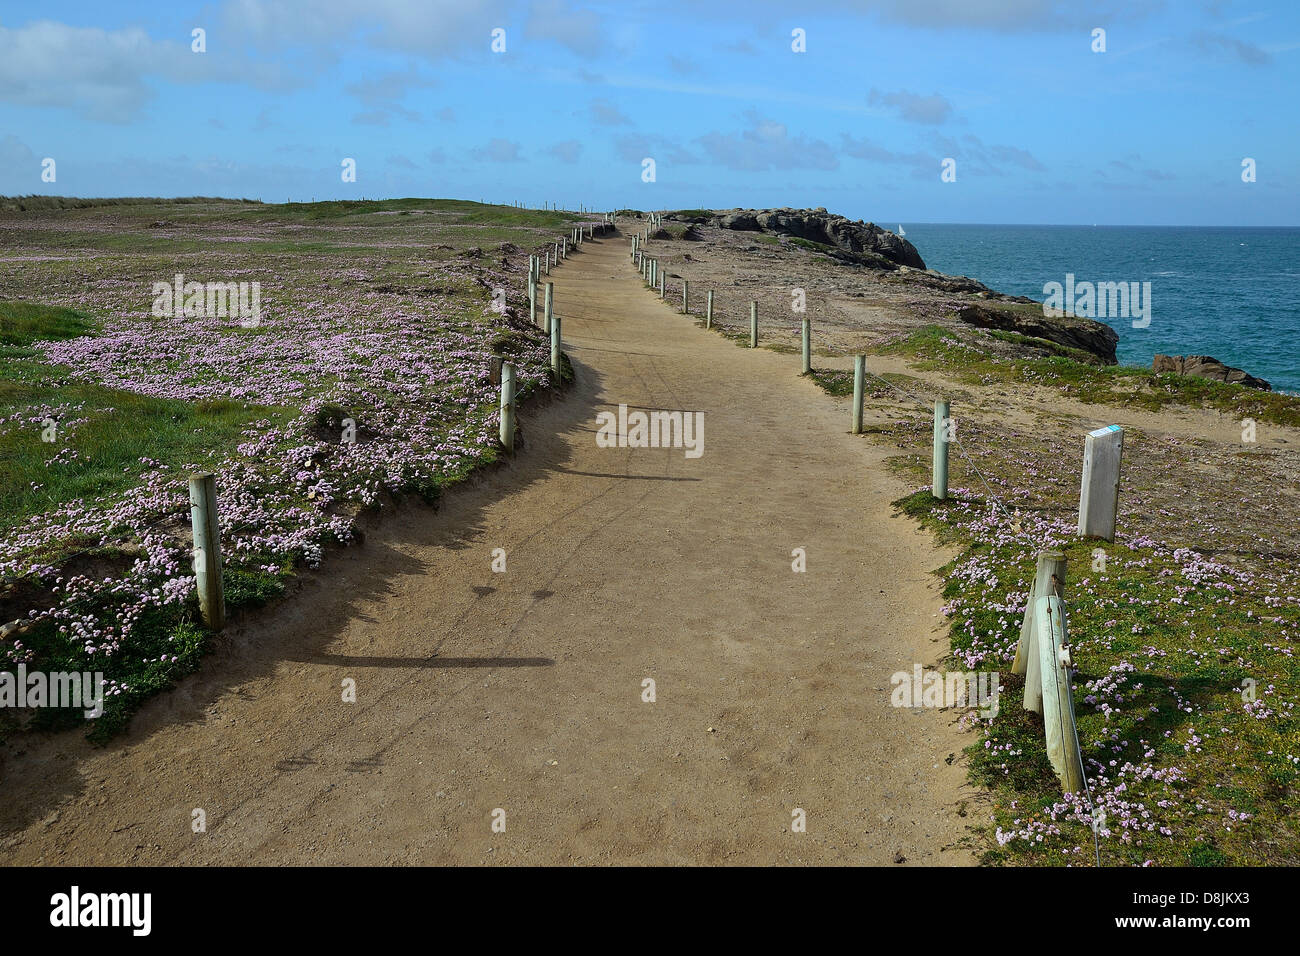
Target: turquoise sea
x,y
1229,292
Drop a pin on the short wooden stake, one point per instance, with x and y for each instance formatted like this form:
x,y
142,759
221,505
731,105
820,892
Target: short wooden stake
x,y
859,390
532,301
549,306
207,549
686,306
708,311
1062,736
753,325
939,471
508,406
1099,493
807,345
662,288
1049,579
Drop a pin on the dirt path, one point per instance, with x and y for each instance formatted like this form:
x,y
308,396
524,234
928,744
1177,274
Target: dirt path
x,y
523,690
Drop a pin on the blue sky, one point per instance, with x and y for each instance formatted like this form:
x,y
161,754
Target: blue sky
x,y
1042,128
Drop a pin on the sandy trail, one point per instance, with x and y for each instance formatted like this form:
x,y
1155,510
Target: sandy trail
x,y
523,690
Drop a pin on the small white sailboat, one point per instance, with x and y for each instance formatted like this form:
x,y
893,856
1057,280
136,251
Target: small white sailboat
x,y
901,231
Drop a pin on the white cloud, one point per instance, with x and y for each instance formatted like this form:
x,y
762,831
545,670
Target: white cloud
x,y
103,74
577,28
913,107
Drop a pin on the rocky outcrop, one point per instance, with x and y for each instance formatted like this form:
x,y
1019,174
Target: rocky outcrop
x,y
1088,335
1204,366
862,242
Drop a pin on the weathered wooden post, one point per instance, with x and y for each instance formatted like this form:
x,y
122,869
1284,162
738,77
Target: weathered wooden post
x,y
1049,579
508,406
207,549
555,345
564,248
532,301
807,345
1062,736
662,287
753,325
686,307
859,390
548,261
708,311
939,471
1099,493
549,313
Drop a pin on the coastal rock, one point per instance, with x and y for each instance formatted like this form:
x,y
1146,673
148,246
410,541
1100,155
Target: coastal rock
x,y
1205,366
942,282
1089,335
861,242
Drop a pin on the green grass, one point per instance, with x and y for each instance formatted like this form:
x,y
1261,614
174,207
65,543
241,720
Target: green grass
x,y
1182,686
37,474
839,382
448,210
22,323
33,202
937,348
811,246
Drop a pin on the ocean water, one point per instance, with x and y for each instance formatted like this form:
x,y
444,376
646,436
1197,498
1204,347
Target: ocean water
x,y
1229,292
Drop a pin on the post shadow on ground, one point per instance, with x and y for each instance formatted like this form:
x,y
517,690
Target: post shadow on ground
x,y
313,614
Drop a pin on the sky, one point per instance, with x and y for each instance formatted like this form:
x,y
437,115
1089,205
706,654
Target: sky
x,y
1041,126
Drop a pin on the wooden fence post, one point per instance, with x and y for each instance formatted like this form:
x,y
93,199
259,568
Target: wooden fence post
x,y
1049,579
555,345
549,314
708,311
532,301
207,549
807,345
508,406
1062,736
939,470
686,302
859,390
753,325
662,282
1099,492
